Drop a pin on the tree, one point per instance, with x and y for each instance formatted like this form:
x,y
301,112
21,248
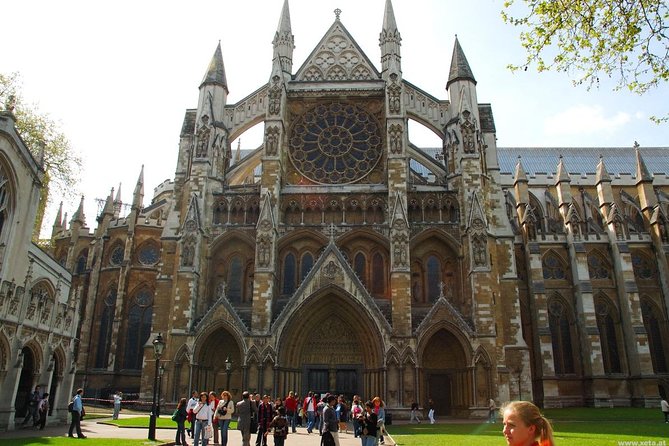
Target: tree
x,y
47,144
626,40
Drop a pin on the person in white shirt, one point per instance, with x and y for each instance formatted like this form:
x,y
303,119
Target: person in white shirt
x,y
203,413
664,405
118,397
192,402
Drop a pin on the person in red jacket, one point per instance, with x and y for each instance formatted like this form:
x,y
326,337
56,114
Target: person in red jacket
x,y
309,408
291,410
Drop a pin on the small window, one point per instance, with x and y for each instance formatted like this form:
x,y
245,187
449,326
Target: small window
x,y
553,268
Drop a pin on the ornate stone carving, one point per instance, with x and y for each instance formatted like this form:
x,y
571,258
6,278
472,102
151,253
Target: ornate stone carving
x,y
400,241
274,107
264,246
202,138
394,95
272,141
331,270
480,250
395,133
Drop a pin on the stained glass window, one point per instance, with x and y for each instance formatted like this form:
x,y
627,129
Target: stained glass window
x,y
655,338
553,267
608,336
558,323
307,264
235,281
643,268
378,275
433,278
140,317
148,255
360,267
597,268
116,256
335,143
106,321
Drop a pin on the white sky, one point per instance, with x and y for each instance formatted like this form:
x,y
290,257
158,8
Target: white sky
x,y
120,75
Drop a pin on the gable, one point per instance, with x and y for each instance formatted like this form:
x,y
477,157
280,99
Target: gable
x,y
337,57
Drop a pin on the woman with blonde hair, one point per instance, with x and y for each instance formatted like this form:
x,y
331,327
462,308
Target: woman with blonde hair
x,y
525,426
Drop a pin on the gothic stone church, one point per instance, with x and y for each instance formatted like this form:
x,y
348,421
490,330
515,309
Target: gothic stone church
x,y
338,256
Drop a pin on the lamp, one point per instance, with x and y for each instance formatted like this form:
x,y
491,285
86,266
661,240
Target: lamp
x,y
228,372
158,347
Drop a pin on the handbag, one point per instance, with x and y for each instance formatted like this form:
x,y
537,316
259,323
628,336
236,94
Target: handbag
x,y
254,425
208,432
175,415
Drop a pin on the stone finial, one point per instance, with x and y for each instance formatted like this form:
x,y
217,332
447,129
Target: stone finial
x,y
337,13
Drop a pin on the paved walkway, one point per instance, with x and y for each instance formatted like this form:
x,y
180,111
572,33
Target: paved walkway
x,y
94,429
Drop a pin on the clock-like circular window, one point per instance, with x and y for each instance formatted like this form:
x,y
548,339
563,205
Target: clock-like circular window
x,y
148,255
116,256
335,143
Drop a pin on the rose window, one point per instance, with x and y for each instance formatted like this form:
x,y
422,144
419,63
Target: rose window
x,y
335,143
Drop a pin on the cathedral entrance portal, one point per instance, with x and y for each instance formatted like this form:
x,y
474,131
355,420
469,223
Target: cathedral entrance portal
x,y
210,373
446,375
334,347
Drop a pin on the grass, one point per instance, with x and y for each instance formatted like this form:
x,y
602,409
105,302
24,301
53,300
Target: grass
x,y
64,441
164,422
584,427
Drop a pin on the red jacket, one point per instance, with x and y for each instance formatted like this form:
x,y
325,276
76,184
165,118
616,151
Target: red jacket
x,y
291,404
305,406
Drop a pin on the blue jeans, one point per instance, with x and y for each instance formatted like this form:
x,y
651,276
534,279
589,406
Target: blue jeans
x,y
311,417
368,440
200,425
293,421
223,428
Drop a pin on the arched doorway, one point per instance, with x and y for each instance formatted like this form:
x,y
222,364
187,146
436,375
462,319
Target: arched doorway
x,y
25,385
331,344
447,380
210,373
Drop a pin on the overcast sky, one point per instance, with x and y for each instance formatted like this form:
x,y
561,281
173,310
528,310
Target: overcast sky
x,y
119,75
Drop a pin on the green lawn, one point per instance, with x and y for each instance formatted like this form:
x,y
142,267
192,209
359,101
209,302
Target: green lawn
x,y
583,427
64,441
164,422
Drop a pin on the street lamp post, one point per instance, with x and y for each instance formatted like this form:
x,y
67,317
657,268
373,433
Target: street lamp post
x,y
228,371
158,347
161,372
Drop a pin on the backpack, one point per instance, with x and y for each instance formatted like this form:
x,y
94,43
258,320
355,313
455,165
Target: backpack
x,y
282,430
175,415
70,407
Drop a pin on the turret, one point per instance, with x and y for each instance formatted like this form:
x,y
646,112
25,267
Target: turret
x,y
79,219
117,202
644,183
390,42
461,85
284,43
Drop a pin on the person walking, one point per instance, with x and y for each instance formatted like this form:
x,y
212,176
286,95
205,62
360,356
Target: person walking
x,y
525,426
414,413
279,426
203,414
33,402
245,410
43,410
213,402
265,416
291,404
380,412
430,413
356,412
180,415
491,410
309,408
77,412
664,405
192,402
118,398
368,425
330,423
224,410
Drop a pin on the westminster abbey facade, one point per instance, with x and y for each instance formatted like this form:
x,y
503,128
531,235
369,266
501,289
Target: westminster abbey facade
x,y
339,256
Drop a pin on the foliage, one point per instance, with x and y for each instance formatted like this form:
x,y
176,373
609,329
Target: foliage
x,y
624,40
43,137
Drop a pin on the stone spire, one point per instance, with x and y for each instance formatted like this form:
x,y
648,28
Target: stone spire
x,y
238,153
520,175
562,174
79,214
138,194
390,42
460,69
284,43
215,74
58,222
642,174
109,204
117,202
602,174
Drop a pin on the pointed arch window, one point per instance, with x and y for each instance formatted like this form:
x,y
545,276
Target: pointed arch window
x,y
643,267
433,278
378,275
561,337
307,264
598,267
106,323
654,332
235,279
360,266
553,268
138,329
80,267
608,335
289,268
116,256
